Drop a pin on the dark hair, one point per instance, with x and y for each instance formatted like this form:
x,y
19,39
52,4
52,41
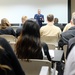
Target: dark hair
x,y
50,17
29,45
55,20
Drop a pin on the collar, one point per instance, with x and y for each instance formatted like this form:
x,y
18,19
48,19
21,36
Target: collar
x,y
50,23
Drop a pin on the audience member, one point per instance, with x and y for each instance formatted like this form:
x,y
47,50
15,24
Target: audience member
x,y
69,25
70,63
4,68
39,17
56,21
18,31
29,45
8,61
6,27
67,35
23,19
58,24
50,29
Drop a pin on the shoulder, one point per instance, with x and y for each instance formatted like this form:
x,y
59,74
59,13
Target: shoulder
x,y
72,39
43,27
9,28
67,27
2,39
36,14
57,27
3,42
20,28
42,15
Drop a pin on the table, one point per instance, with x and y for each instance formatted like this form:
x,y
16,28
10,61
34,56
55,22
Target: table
x,y
57,55
57,58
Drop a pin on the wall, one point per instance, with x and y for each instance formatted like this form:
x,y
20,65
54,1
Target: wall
x,y
15,9
72,6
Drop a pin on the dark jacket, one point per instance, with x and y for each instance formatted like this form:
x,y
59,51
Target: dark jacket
x,y
18,31
8,58
46,51
59,25
66,36
8,31
39,18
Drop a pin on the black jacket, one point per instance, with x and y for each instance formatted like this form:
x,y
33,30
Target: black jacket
x,y
18,31
66,36
46,51
7,57
8,31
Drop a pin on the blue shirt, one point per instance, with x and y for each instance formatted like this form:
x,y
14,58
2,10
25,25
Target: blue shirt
x,y
39,18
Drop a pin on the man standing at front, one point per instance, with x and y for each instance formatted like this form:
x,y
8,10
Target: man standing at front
x,y
39,17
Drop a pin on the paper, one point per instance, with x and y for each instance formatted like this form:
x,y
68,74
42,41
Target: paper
x,y
51,52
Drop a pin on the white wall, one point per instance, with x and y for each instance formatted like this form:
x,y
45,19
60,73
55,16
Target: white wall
x,y
15,9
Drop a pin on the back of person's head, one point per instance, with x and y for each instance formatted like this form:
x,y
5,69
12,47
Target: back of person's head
x,y
73,14
39,11
24,18
55,20
4,23
28,45
31,28
50,18
73,20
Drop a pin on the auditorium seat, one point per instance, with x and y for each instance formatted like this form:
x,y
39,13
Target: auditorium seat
x,y
36,67
50,40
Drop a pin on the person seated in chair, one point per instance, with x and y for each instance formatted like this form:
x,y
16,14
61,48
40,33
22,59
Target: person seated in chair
x,y
67,35
50,29
18,31
56,23
9,64
6,28
29,45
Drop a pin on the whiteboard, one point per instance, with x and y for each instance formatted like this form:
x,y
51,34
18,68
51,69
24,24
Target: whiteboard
x,y
13,10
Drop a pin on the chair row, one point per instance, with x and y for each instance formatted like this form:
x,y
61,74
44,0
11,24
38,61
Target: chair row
x,y
36,67
51,41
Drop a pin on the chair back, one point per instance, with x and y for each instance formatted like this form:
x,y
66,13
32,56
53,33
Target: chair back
x,y
51,46
65,50
12,44
50,40
33,66
9,38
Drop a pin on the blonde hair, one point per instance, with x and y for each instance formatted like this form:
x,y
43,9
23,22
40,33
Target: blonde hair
x,y
73,14
4,23
24,18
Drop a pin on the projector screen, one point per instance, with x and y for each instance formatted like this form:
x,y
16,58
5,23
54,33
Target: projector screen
x,y
13,10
